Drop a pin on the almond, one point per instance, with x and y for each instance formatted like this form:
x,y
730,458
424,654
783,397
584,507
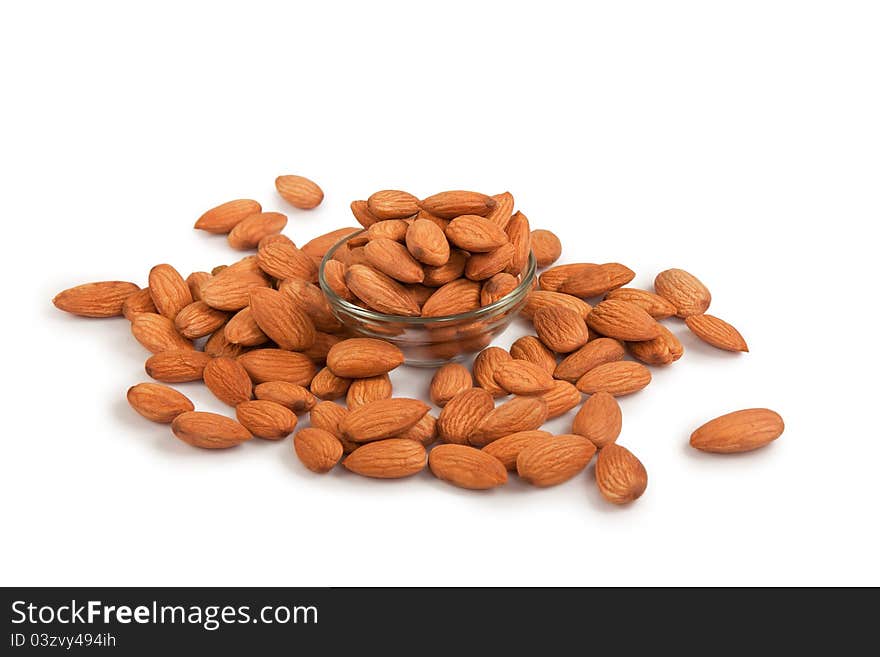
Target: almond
x,y
716,332
560,328
209,430
392,229
518,414
586,279
387,459
282,259
294,397
617,378
328,416
419,293
653,304
266,419
317,449
228,380
382,292
740,431
312,302
138,302
440,222
177,366
459,296
169,291
230,289
157,333
462,413
195,281
503,210
481,266
522,377
497,287
361,212
684,291
382,418
561,398
507,448
448,381
466,467
538,299
318,247
278,317
359,358
621,477
427,243
334,277
368,389
393,259
623,320
324,342
519,234
449,205
446,273
243,329
104,299
299,191
250,230
530,348
278,365
217,345
475,234
599,419
595,352
393,204
326,385
485,365
225,217
546,247
551,462
662,350
157,402
198,319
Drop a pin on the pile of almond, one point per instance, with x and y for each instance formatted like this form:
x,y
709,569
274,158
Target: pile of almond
x,y
262,337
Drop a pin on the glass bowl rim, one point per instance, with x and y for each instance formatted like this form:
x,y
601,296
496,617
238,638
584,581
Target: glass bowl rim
x,y
501,304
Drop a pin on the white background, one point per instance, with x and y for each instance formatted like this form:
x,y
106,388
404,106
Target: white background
x,y
737,140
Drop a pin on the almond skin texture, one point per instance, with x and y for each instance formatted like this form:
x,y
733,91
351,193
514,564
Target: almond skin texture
x,y
522,377
740,431
104,299
177,366
138,302
195,281
228,380
619,378
282,259
393,259
452,204
392,204
623,320
209,430
383,418
361,212
318,247
280,319
326,385
448,381
169,291
503,210
230,290
309,299
459,296
324,342
424,431
507,448
381,291
278,365
243,329
716,332
217,345
334,275
599,420
485,364
392,229
266,419
370,389
662,350
497,287
198,319
462,413
595,352
448,272
653,304
328,416
467,467
294,397
684,291
621,477
387,459
157,333
551,462
561,329
475,234
538,299
157,402
300,192
518,414
481,266
520,235
561,398
317,449
360,358
546,247
530,348
225,217
248,233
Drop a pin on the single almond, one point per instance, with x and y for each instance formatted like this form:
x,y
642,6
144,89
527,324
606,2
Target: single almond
x,y
522,377
242,329
282,259
296,398
599,419
157,333
138,302
209,430
466,467
503,210
434,219
586,279
250,230
177,366
551,462
617,378
387,459
334,276
427,243
266,419
623,320
546,246
449,205
485,365
530,348
595,352
361,212
392,229
369,389
538,299
217,345
104,299
278,365
621,477
518,414
328,416
380,291
359,358
561,329
195,281
280,319
448,381
382,418
228,380
309,299
198,319
482,266
318,247
424,431
497,287
230,289
393,258
662,350
299,191
684,291
157,402
740,431
326,385
459,296
169,291
392,204
561,398
653,304
437,276
226,216
716,332
317,449
462,413
507,448
520,235
475,234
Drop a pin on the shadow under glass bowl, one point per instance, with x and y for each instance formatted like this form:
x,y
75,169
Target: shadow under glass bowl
x,y
430,341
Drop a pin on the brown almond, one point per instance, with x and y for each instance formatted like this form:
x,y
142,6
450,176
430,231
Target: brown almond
x,y
497,287
449,205
243,329
684,291
198,319
482,266
318,247
503,210
157,402
459,296
299,191
623,320
328,416
382,418
169,291
427,243
586,279
466,467
230,289
312,302
485,365
391,229
387,459
226,216
546,247
538,299
520,235
561,398
448,381
324,342
621,477
740,431
278,365
138,302
209,430
359,358
530,348
296,398
280,319
653,304
518,414
619,378
266,419
334,276
250,230
437,276
157,333
317,449
424,431
419,293
392,204
361,212
282,259
228,380
393,258
522,377
462,413
475,234
368,389
507,448
561,329
104,299
217,345
716,332
599,419
326,385
662,350
177,366
554,461
380,291
595,352
195,281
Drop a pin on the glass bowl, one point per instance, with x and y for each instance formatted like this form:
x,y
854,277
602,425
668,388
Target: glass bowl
x,y
429,341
